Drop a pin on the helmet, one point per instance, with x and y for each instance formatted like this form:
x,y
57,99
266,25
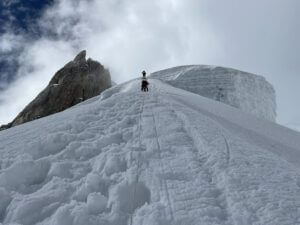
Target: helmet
x,y
144,72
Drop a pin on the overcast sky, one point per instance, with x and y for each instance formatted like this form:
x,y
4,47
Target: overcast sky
x,y
257,36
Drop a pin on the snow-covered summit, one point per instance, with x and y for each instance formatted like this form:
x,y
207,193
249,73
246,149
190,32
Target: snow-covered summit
x,y
159,158
249,92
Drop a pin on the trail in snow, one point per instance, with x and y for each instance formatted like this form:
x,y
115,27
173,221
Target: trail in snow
x,y
250,165
162,170
157,158
138,159
188,185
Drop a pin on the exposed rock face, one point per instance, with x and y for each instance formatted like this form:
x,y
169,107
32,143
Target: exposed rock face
x,y
77,81
249,92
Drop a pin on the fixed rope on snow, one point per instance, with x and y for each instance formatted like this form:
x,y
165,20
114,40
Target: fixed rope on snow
x,y
138,161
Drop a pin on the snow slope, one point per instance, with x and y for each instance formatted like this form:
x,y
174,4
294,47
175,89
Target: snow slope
x,y
159,158
249,92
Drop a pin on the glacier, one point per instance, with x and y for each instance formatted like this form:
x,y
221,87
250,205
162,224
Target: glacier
x,y
249,92
165,157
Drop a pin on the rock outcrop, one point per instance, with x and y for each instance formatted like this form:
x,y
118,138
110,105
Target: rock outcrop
x,y
249,92
77,81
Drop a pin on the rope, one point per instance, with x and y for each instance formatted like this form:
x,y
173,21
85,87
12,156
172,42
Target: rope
x,y
138,159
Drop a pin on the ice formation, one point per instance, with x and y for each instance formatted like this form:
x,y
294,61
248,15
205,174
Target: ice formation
x,y
165,157
248,92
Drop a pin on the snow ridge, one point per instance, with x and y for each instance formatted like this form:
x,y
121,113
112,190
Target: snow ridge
x,y
159,158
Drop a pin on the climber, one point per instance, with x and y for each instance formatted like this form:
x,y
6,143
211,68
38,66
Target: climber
x,y
145,83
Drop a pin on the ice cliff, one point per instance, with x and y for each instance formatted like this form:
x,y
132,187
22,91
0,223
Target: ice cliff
x,y
249,92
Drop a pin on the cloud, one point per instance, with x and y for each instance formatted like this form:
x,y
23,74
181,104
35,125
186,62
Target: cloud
x,y
7,3
130,36
258,36
10,42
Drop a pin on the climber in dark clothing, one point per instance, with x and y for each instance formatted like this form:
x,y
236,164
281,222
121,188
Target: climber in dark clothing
x,y
145,83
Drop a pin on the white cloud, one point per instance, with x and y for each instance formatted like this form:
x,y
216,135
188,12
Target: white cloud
x,y
130,36
10,42
8,3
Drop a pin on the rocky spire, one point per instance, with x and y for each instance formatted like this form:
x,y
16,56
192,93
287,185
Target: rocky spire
x,y
75,82
80,58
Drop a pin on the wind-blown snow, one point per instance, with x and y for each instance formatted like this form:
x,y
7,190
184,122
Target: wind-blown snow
x,y
159,158
249,92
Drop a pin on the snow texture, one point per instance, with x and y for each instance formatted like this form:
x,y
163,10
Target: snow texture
x,y
166,157
248,92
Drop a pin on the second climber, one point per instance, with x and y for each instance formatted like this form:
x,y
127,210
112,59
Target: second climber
x,y
145,83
